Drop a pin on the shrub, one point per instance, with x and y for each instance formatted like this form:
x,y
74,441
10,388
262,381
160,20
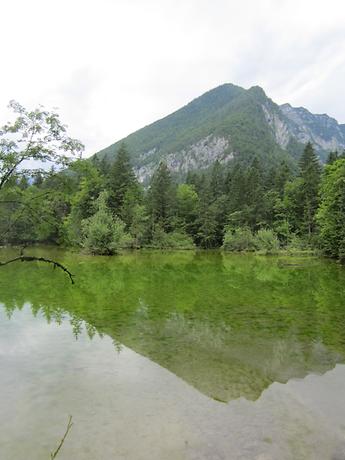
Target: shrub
x,y
101,233
174,240
266,240
297,244
239,239
180,240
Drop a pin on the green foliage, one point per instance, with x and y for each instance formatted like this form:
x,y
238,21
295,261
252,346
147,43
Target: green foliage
x,y
122,185
243,206
254,195
207,228
266,241
177,239
297,244
217,180
89,184
331,214
239,239
30,212
243,239
187,199
293,203
139,223
310,172
102,233
36,135
162,198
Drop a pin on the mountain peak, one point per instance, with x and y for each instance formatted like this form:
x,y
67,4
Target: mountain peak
x,y
228,123
257,90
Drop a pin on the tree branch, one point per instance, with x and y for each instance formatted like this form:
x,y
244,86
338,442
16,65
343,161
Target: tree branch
x,y
11,170
24,204
55,264
69,426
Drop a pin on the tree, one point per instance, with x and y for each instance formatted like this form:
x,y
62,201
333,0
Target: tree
x,y
310,173
254,210
161,198
186,203
138,226
34,137
207,225
331,214
282,176
235,188
89,184
102,233
38,136
121,181
294,204
332,157
217,180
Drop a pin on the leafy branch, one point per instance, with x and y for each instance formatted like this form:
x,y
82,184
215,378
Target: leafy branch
x,y
38,136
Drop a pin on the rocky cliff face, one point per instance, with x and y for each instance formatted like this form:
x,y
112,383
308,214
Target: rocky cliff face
x,y
278,125
200,155
322,131
229,123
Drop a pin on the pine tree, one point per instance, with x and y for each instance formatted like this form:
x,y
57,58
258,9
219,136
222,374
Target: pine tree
x,y
195,179
207,233
121,179
254,208
332,157
236,187
310,173
161,198
186,204
217,180
283,174
331,213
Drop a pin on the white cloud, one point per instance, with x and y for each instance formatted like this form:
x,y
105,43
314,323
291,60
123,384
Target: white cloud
x,y
113,66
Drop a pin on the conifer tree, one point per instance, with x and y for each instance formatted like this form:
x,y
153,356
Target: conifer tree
x,y
121,180
332,157
236,187
217,180
161,198
186,204
207,233
310,173
331,213
283,174
254,195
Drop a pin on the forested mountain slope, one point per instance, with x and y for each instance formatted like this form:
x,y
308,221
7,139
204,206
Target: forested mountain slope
x,y
227,123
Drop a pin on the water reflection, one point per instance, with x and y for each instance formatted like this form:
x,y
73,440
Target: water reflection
x,y
228,325
125,406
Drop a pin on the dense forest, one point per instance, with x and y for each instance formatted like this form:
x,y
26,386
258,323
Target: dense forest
x,y
101,207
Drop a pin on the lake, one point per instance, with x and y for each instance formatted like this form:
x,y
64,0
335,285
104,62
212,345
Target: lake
x,y
175,355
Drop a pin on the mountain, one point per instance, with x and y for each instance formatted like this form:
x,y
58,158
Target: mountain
x,y
228,123
323,131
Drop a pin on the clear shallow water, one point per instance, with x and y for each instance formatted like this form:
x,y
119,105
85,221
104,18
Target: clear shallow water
x,y
141,349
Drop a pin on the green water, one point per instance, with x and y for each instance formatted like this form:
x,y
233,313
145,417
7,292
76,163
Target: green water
x,y
230,325
227,325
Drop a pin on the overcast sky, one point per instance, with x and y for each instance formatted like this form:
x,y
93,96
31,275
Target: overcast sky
x,y
114,66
